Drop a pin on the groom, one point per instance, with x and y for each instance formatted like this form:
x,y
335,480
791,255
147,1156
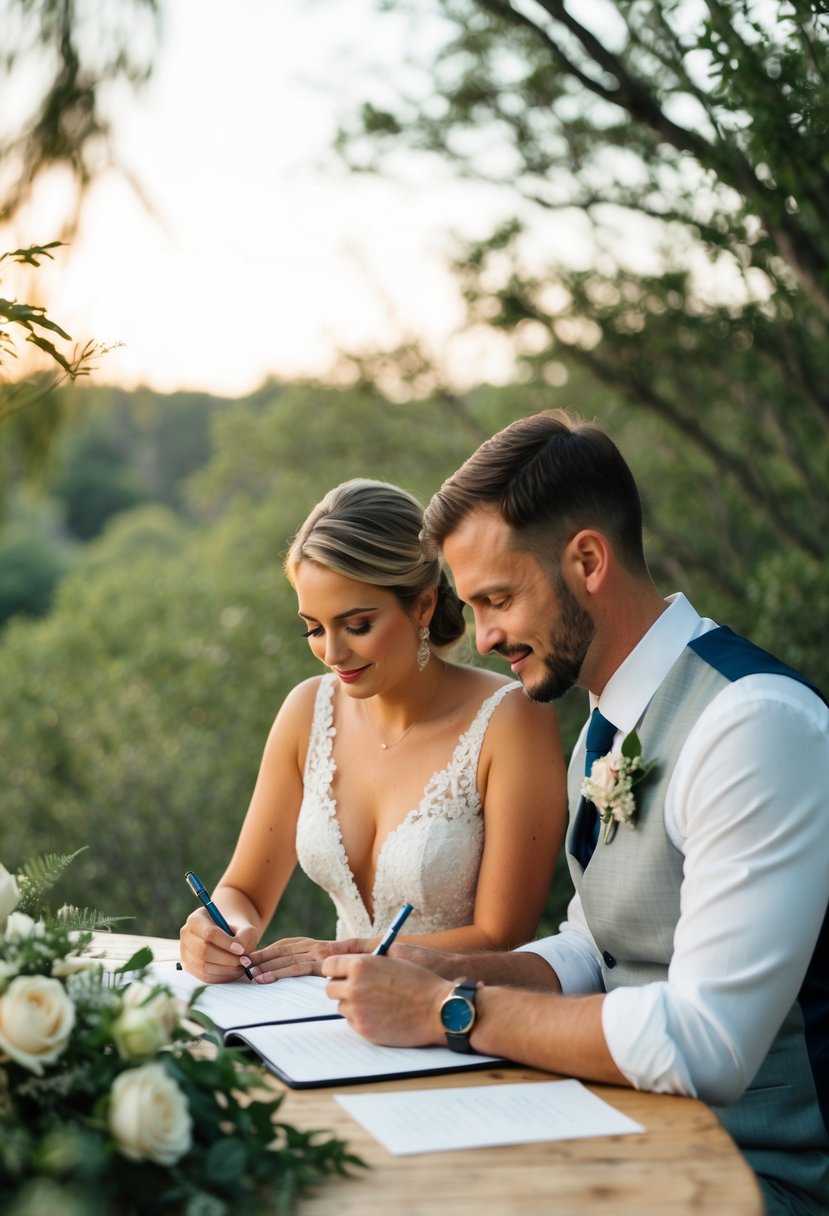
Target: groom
x,y
694,957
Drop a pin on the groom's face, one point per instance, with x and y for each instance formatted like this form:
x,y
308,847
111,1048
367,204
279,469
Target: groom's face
x,y
536,624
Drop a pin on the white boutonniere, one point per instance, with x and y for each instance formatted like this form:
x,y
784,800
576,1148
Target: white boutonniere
x,y
611,784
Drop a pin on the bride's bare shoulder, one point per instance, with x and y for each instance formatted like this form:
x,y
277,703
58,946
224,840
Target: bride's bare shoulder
x,y
516,711
479,681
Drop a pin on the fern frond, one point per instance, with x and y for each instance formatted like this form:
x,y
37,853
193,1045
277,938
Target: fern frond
x,y
39,876
88,918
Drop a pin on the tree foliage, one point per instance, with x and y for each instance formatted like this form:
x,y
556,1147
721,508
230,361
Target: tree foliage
x,y
94,482
83,57
28,433
30,569
688,140
84,54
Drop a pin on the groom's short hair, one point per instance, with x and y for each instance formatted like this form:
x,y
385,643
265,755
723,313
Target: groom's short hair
x,y
549,475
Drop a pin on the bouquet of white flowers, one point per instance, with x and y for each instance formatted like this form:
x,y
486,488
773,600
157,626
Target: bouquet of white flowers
x,y
109,1102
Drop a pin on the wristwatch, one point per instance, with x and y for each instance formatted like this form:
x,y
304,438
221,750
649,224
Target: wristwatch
x,y
457,1016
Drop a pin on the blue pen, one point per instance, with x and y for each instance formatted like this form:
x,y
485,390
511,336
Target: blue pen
x,y
203,895
393,929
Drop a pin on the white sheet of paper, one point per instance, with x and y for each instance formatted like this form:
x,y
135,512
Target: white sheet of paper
x,y
314,1052
439,1120
242,1003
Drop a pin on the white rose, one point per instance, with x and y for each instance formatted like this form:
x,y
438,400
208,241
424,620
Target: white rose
x,y
71,964
36,1020
146,1022
19,926
148,1115
9,895
162,1003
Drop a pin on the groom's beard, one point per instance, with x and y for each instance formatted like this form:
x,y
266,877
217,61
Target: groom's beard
x,y
570,638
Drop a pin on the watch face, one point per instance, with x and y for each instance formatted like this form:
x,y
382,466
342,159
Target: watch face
x,y
457,1014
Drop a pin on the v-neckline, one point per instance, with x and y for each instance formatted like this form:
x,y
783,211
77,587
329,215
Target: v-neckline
x,y
334,816
335,813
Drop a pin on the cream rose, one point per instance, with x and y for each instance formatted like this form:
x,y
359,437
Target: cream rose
x,y
9,895
162,1003
19,926
146,1022
604,775
36,1020
72,964
148,1115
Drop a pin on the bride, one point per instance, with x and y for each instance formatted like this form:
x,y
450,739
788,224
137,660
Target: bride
x,y
396,777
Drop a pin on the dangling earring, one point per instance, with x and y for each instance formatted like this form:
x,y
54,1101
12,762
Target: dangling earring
x,y
424,651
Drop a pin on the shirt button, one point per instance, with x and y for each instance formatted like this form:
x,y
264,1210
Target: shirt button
x,y
608,958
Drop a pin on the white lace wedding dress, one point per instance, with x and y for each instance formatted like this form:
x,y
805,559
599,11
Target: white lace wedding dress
x,y
431,859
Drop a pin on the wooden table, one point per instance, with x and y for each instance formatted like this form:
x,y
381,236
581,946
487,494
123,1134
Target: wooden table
x,y
685,1162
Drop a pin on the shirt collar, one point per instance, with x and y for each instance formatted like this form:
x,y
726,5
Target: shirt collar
x,y
628,692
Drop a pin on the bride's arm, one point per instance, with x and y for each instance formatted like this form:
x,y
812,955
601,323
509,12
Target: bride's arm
x,y
265,855
522,778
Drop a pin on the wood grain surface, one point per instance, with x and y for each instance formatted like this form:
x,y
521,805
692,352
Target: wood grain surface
x,y
684,1162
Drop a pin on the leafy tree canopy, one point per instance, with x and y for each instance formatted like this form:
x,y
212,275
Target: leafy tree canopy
x,y
28,433
82,56
30,568
688,141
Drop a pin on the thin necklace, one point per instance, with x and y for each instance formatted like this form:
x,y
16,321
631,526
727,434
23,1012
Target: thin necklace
x,y
387,746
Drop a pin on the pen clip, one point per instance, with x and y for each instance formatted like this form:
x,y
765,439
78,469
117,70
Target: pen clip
x,y
196,885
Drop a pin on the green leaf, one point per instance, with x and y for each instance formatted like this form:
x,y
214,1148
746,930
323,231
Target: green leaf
x,y
142,958
51,350
225,1160
631,746
30,255
208,1025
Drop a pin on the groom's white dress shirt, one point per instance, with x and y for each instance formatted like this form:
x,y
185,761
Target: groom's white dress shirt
x,y
748,809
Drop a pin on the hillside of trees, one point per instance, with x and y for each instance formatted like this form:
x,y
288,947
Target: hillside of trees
x,y
137,694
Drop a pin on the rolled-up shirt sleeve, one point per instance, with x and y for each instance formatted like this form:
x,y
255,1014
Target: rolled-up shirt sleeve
x,y
571,953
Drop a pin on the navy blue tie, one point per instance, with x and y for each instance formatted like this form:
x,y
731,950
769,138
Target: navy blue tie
x,y
600,735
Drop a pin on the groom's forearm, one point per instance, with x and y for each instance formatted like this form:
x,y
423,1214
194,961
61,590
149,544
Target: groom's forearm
x,y
503,967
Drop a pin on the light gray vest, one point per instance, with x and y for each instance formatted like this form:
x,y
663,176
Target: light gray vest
x,y
630,896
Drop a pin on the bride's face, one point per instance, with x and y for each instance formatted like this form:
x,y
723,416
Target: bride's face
x,y
360,631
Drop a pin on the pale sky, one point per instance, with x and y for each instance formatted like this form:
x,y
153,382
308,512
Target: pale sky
x,y
264,258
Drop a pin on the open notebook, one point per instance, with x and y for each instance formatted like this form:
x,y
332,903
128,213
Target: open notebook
x,y
299,1035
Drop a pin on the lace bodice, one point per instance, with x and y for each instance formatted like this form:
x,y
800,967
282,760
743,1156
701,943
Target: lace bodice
x,y
431,858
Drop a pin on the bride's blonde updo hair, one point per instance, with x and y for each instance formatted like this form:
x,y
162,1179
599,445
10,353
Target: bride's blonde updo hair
x,y
370,531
